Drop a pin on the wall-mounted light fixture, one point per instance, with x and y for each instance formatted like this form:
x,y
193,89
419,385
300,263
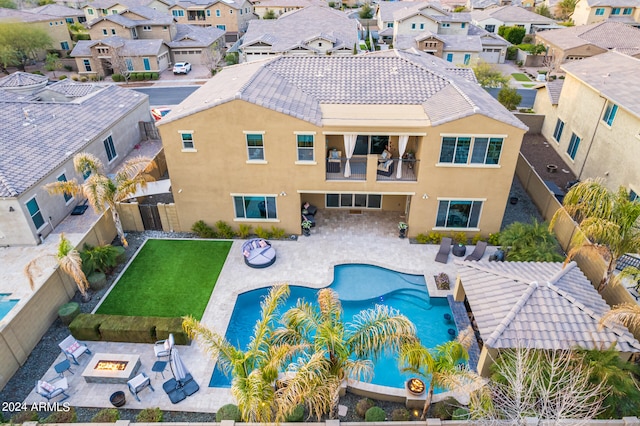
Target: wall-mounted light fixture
x,y
425,196
283,194
11,209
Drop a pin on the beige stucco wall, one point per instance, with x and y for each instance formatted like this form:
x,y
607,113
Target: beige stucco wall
x,y
230,17
96,30
404,27
203,181
556,51
97,13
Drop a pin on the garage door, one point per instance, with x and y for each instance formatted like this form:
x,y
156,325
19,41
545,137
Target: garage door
x,y
490,55
163,61
191,55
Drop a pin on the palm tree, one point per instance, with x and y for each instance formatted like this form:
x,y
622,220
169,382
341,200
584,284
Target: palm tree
x,y
102,191
440,365
68,259
350,347
627,314
609,222
255,370
530,242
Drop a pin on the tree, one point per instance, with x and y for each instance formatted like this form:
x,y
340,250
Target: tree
x,y
21,43
119,62
439,365
513,34
627,314
269,14
213,58
68,259
530,242
45,2
53,63
509,97
549,385
8,4
488,75
350,347
459,9
231,58
609,222
543,10
366,12
102,191
565,8
255,369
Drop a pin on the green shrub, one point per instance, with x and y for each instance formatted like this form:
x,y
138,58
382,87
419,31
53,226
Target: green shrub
x,y
68,312
400,415
83,37
459,237
262,233
166,326
87,326
62,77
231,58
203,230
228,412
117,77
375,414
296,416
68,68
149,415
94,77
155,76
512,53
445,408
37,72
83,79
147,76
475,239
75,78
494,239
363,405
245,230
422,238
224,230
24,416
62,416
276,232
432,237
100,258
121,328
108,415
460,414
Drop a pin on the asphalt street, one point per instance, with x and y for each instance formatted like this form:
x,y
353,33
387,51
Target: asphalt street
x,y
167,96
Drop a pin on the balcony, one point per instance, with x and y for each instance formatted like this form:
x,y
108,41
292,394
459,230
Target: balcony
x,y
359,166
197,16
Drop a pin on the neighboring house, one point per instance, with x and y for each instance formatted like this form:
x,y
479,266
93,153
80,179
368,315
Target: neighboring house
x,y
232,16
278,7
428,28
196,45
74,4
510,16
591,11
55,26
574,43
593,119
299,129
70,15
53,123
100,8
539,305
100,58
312,31
138,22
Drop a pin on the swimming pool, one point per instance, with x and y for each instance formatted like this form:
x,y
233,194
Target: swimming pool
x,y
359,287
6,304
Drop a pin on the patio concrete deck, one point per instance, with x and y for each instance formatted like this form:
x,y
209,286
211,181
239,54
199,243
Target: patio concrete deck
x,y
339,237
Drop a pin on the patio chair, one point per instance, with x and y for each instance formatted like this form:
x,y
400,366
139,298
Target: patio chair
x,y
163,347
138,383
478,251
51,390
72,349
443,252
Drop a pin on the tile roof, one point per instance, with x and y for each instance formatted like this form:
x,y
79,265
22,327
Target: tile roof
x,y
538,305
387,9
139,47
56,10
106,4
298,27
510,14
195,36
287,3
23,16
613,3
298,86
186,4
607,35
22,79
554,88
40,135
613,75
144,15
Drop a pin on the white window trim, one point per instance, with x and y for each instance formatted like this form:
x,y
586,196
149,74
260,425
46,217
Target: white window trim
x,y
110,135
443,228
607,125
190,132
306,162
566,151
473,138
244,219
264,156
64,173
44,224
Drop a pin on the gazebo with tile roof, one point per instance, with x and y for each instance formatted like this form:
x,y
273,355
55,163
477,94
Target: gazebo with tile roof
x,y
539,305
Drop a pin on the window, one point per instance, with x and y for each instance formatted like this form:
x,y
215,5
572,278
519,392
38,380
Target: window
x,y
615,11
34,211
467,58
557,132
230,11
490,28
389,24
105,12
574,143
218,12
627,11
66,195
367,201
187,140
147,64
110,148
146,28
610,113
90,11
305,147
86,174
177,13
370,144
87,65
114,11
129,64
449,57
113,31
105,32
255,146
64,45
208,12
69,20
599,11
632,195
456,150
221,27
463,25
413,26
422,26
458,214
255,207
446,25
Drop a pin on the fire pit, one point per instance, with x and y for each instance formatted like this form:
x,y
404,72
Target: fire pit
x,y
415,386
111,368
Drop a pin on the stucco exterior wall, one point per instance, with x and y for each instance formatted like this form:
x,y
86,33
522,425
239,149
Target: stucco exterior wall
x,y
231,18
97,30
404,27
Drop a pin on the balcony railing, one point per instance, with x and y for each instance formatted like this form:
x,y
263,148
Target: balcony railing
x,y
409,171
335,168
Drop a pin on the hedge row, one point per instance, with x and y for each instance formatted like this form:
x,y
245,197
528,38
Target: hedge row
x,y
136,76
121,328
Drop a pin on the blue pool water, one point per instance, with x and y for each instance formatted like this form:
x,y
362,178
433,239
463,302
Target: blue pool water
x,y
6,304
359,287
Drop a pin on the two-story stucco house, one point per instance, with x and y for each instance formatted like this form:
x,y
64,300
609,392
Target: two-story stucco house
x,y
70,15
232,16
53,123
293,129
593,119
313,30
493,18
278,7
54,26
99,8
591,11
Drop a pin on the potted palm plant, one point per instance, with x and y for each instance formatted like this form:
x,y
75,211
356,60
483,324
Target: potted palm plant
x,y
306,227
402,227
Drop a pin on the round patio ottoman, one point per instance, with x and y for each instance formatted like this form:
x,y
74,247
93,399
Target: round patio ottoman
x,y
258,253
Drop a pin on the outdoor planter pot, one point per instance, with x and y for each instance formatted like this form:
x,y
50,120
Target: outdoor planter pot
x,y
118,399
552,168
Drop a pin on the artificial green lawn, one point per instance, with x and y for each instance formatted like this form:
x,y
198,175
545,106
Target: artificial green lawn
x,y
168,278
520,77
528,85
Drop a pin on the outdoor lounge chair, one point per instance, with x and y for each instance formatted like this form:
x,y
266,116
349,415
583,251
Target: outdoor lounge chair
x,y
163,347
72,349
443,252
138,383
478,251
52,390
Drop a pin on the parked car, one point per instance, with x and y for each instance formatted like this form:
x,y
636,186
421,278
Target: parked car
x,y
181,68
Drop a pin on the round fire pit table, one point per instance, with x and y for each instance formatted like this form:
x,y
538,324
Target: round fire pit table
x,y
415,386
459,250
118,399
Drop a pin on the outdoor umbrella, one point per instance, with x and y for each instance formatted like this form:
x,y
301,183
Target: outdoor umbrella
x,y
182,375
173,387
